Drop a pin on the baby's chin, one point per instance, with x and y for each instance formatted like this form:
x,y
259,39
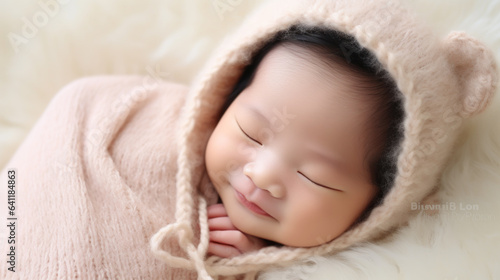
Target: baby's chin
x,y
303,243
292,242
281,239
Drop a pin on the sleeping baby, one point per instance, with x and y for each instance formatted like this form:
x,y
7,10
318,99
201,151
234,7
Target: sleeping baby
x,y
312,129
304,148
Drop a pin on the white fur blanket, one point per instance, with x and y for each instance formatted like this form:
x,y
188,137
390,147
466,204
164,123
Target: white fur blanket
x,y
48,43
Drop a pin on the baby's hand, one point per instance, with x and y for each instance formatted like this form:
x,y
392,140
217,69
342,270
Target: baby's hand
x,y
225,240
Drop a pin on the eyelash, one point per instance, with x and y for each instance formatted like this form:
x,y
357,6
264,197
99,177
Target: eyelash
x,y
318,184
246,134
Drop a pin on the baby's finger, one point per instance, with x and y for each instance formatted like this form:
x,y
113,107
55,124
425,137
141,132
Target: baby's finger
x,y
231,237
220,223
222,250
216,210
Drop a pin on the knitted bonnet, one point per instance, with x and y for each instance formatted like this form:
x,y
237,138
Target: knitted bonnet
x,y
440,82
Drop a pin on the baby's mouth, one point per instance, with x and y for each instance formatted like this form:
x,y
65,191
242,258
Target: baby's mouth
x,y
250,205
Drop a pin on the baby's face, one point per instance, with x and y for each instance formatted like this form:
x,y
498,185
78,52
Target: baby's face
x,y
287,157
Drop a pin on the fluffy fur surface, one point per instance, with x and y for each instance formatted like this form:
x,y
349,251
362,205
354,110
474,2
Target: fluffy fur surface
x,y
173,39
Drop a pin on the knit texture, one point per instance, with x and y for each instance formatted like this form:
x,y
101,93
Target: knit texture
x,y
441,81
95,180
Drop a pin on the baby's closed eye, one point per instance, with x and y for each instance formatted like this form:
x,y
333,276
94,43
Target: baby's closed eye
x,y
318,184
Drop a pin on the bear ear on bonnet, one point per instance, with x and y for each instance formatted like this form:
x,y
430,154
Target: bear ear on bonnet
x,y
474,65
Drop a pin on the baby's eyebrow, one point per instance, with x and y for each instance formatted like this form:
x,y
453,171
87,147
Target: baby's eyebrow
x,y
257,111
332,160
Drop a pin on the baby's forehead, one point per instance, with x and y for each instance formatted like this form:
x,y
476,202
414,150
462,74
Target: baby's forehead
x,y
283,89
284,72
289,60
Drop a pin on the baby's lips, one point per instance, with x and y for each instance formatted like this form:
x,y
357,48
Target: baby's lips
x,y
251,205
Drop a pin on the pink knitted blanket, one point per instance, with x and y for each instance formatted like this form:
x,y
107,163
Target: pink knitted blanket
x,y
95,179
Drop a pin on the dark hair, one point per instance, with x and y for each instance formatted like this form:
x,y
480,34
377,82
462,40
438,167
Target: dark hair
x,y
337,48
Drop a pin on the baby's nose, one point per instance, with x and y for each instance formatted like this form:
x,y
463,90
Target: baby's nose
x,y
265,178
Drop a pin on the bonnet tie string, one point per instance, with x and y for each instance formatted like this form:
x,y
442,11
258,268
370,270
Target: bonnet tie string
x,y
184,233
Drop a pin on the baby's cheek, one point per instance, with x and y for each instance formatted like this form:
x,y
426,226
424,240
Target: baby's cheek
x,y
214,159
314,220
221,159
245,152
